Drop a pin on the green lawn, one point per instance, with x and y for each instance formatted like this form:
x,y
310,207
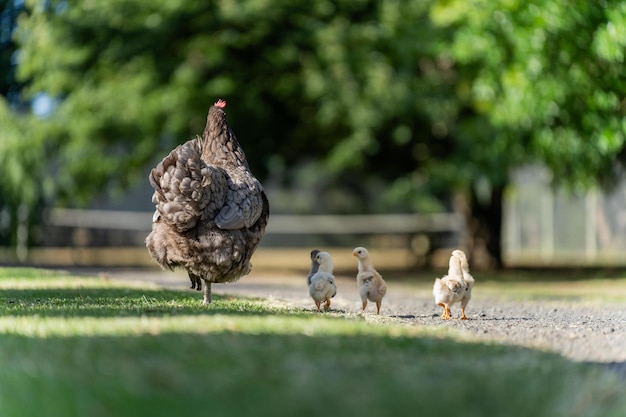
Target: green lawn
x,y
75,346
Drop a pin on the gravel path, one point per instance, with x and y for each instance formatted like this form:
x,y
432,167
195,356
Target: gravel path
x,y
577,330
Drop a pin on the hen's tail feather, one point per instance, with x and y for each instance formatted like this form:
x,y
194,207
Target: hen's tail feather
x,y
184,186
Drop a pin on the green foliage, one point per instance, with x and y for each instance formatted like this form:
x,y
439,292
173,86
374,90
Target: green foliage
x,y
551,71
76,346
428,96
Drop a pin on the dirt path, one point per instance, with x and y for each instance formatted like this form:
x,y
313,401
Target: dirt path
x,y
578,330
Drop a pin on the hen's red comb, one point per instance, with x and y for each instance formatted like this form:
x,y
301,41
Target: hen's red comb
x,y
220,103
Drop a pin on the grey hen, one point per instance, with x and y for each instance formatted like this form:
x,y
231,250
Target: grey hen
x,y
211,212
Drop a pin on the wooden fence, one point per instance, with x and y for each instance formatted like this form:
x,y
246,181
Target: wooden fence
x,y
69,238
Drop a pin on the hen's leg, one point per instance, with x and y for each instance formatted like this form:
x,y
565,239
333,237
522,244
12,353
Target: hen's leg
x,y
193,279
207,292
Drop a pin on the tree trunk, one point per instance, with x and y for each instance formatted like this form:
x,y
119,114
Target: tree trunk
x,y
484,228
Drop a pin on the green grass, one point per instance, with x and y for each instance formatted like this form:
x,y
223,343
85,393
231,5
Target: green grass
x,y
72,346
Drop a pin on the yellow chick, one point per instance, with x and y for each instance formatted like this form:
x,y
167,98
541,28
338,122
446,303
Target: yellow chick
x,y
322,285
467,277
370,283
451,288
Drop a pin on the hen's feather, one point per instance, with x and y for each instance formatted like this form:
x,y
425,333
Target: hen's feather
x,y
186,189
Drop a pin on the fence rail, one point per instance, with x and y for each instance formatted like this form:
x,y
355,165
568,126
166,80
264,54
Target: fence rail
x,y
279,223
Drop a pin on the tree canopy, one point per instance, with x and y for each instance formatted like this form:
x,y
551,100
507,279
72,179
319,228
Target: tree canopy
x,y
425,97
548,74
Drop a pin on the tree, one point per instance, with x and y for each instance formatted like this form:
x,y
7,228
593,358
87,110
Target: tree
x,y
12,212
432,98
133,79
549,77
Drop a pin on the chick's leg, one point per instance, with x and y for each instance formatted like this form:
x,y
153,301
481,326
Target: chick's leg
x,y
327,305
445,310
364,304
464,302
378,307
317,304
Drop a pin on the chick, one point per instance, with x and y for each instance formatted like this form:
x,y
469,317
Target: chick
x,y
370,283
451,288
322,287
467,278
314,266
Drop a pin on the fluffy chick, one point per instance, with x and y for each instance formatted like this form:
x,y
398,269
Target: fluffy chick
x,y
314,266
467,278
451,288
370,283
323,287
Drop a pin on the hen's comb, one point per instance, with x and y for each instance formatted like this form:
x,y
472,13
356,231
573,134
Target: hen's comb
x,y
220,103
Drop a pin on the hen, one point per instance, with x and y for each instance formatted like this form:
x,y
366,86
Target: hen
x,y
370,283
452,288
322,285
211,212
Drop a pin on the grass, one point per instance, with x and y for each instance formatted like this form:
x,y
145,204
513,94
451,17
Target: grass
x,y
75,346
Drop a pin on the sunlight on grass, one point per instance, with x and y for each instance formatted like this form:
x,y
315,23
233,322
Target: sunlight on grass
x,y
75,346
43,327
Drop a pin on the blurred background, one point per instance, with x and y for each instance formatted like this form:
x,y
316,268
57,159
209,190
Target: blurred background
x,y
412,127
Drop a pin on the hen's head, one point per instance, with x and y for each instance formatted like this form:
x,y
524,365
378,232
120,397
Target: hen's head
x,y
360,252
